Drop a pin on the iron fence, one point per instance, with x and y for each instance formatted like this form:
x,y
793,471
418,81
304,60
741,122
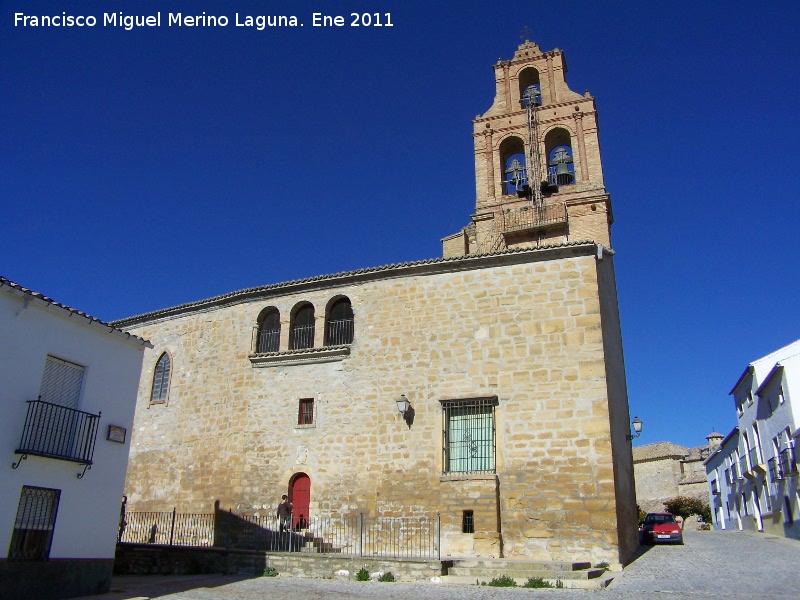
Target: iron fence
x,y
359,535
268,340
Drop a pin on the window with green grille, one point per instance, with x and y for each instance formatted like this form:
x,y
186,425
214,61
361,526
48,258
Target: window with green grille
x,y
469,435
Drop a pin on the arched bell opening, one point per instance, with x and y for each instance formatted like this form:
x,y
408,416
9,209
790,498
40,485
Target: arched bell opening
x,y
560,165
513,166
530,89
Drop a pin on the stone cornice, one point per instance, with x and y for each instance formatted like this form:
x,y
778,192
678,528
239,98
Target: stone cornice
x,y
432,266
300,357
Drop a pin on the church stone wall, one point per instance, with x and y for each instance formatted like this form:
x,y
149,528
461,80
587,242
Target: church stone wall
x,y
524,326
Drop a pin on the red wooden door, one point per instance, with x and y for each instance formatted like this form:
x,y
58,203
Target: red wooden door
x,y
300,497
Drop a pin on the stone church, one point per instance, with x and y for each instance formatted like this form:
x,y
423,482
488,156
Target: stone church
x,y
486,387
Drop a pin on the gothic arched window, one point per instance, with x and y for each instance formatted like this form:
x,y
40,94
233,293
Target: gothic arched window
x,y
161,378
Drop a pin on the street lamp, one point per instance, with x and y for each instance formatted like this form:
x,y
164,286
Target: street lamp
x,y
637,427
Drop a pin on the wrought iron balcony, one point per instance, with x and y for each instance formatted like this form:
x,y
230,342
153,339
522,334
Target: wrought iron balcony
x,y
531,217
788,464
59,432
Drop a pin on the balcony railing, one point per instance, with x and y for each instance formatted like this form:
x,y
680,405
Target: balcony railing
x,y
56,431
743,468
788,464
302,337
531,217
774,469
268,340
340,332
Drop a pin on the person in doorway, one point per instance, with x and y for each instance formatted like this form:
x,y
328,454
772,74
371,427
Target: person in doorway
x,y
285,513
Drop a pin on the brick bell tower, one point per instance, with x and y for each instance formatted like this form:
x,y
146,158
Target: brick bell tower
x,y
538,175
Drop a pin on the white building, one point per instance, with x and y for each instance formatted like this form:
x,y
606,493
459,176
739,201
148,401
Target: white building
x,y
753,477
69,384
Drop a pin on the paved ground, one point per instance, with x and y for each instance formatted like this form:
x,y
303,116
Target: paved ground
x,y
731,564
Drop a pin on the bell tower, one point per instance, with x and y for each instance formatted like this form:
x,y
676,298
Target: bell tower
x,y
538,175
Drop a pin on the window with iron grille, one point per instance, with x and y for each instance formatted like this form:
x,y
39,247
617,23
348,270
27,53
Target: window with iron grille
x,y
468,522
269,331
302,332
339,328
161,375
305,415
34,524
469,435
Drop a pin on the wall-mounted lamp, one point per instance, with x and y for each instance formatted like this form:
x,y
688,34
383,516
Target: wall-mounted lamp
x,y
637,427
403,404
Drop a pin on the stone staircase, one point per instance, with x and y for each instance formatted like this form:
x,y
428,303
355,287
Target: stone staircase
x,y
570,574
316,545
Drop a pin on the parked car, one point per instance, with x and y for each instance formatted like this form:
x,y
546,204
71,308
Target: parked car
x,y
661,527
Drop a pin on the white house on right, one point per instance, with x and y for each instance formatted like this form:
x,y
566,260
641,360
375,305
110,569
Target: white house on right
x,y
753,475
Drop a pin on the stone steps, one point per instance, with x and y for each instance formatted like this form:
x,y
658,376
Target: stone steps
x,y
567,574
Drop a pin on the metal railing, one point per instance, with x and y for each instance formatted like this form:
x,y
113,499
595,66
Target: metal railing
x,y
302,337
755,459
390,537
788,464
530,217
268,340
743,466
56,431
775,472
339,332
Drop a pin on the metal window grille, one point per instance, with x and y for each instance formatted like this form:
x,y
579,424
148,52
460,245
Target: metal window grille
x,y
303,328
306,412
161,380
468,522
788,464
774,470
34,524
468,438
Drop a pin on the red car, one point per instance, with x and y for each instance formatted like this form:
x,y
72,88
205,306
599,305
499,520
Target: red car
x,y
661,527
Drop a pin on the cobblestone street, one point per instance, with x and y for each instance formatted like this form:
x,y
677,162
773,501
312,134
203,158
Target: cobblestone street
x,y
731,565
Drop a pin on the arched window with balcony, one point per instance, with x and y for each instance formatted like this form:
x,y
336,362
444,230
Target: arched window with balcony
x,y
530,89
560,165
339,323
513,166
269,330
301,334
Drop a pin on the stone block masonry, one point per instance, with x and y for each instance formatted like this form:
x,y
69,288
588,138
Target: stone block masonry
x,y
537,329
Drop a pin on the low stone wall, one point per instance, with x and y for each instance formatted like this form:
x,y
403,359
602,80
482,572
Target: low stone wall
x,y
149,559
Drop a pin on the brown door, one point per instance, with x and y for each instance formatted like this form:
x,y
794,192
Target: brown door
x,y
300,497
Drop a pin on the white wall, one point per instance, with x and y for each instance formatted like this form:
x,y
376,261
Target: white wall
x,y
88,513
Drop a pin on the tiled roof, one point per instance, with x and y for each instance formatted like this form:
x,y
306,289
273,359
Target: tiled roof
x,y
396,270
659,450
72,311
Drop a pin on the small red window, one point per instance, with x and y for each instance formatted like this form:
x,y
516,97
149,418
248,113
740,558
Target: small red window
x,y
306,413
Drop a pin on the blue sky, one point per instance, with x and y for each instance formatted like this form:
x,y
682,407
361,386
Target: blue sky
x,y
143,169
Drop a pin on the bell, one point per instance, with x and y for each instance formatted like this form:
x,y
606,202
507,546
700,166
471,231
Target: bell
x,y
563,175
